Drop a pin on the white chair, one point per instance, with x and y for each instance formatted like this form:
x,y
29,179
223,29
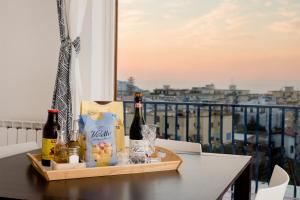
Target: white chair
x,y
175,146
179,146
277,186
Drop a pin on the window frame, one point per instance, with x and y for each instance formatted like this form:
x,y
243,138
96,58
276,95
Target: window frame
x,y
116,50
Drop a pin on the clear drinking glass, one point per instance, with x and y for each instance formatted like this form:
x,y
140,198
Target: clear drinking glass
x,y
123,157
149,136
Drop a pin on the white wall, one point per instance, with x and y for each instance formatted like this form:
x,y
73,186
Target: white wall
x,y
28,57
29,46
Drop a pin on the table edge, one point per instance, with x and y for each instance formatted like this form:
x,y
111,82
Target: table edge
x,y
237,176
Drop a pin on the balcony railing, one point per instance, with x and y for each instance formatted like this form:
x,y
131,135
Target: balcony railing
x,y
267,132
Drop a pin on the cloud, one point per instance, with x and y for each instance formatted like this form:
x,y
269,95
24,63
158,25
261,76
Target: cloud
x,y
128,1
176,3
286,26
285,2
268,3
132,17
168,16
286,13
224,22
214,16
235,22
290,18
172,8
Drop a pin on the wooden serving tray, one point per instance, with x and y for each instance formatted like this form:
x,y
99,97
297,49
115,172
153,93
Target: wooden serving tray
x,y
67,166
171,161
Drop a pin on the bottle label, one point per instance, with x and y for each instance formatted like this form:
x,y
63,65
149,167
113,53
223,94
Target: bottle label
x,y
48,148
137,105
137,153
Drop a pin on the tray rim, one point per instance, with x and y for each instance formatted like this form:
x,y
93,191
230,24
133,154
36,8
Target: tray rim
x,y
47,173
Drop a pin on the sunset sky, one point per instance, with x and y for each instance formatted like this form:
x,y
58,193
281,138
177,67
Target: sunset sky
x,y
254,44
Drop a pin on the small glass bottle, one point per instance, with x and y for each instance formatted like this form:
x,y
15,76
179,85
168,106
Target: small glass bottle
x,y
61,148
73,155
74,136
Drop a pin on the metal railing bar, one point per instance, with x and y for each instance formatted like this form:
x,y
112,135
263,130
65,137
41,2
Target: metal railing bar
x,y
145,111
270,144
166,121
221,129
219,104
187,116
209,129
155,114
296,132
176,122
124,116
198,124
256,149
233,130
245,130
282,136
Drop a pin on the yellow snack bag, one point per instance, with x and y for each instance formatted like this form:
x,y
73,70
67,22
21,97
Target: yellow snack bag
x,y
115,107
100,138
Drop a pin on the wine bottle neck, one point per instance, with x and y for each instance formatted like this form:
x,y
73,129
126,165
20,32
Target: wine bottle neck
x,y
138,108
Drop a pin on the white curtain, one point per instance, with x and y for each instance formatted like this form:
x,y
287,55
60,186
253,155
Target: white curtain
x,y
75,14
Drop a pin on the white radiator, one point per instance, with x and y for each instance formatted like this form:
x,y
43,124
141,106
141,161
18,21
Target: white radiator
x,y
19,132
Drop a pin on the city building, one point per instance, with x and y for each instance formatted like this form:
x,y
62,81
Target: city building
x,y
287,96
206,94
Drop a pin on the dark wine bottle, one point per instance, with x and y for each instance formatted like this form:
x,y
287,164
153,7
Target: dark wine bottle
x,y
49,137
136,143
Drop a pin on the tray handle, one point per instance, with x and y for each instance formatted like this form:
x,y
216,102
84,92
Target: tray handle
x,y
37,166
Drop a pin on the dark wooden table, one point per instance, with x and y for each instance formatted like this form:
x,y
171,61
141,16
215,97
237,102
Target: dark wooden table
x,y
205,177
